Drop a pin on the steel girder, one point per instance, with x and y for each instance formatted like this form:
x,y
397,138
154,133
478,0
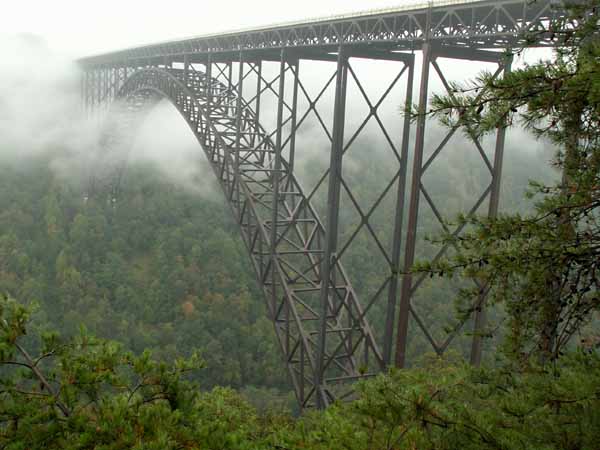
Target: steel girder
x,y
469,24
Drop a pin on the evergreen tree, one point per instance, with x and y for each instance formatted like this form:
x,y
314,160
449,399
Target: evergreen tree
x,y
543,267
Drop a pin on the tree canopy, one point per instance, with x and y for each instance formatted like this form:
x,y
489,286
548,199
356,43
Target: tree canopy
x,y
543,266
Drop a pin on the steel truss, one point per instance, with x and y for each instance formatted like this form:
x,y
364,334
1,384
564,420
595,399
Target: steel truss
x,y
470,24
321,326
418,189
221,85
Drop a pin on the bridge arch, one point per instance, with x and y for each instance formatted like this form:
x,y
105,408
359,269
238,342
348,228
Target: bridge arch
x,y
282,232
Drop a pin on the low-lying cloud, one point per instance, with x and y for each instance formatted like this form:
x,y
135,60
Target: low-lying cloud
x,y
39,100
41,115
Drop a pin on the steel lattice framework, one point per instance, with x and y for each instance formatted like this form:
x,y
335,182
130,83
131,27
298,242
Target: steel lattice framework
x,y
218,84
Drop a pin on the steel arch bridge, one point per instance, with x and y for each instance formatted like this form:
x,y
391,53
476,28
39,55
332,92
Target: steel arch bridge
x,y
218,83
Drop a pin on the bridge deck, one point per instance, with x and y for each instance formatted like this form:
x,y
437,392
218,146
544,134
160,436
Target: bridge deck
x,y
477,24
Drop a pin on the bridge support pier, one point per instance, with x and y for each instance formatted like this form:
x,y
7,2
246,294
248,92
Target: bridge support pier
x,y
480,316
409,253
409,288
398,219
276,175
328,293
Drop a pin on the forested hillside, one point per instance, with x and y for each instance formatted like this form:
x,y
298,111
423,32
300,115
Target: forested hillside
x,y
164,268
161,270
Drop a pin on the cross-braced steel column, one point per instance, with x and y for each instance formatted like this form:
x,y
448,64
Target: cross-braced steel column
x,y
276,174
328,276
430,56
398,219
480,316
238,131
413,211
186,68
294,112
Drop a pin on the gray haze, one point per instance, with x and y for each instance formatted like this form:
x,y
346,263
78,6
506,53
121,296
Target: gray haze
x,y
39,104
40,111
41,116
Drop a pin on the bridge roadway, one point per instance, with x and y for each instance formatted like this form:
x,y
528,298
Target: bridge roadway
x,y
321,325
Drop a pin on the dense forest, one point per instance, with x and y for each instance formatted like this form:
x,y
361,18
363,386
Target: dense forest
x,y
161,270
136,322
165,269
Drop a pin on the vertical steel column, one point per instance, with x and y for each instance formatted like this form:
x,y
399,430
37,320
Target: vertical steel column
x,y
498,161
276,174
82,90
97,90
296,71
89,92
333,207
398,220
109,86
105,87
238,134
186,68
115,88
480,315
98,93
302,382
230,76
116,71
208,87
413,212
258,96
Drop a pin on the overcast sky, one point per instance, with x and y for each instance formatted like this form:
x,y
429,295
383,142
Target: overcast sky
x,y
82,27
